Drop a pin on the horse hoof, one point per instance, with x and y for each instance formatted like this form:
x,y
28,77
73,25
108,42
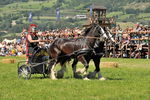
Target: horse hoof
x,y
102,78
54,78
86,79
59,74
91,75
77,76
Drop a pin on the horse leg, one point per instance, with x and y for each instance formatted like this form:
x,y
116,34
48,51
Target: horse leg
x,y
52,72
97,69
86,66
75,74
85,63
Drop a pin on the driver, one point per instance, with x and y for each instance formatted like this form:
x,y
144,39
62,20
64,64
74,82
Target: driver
x,y
32,41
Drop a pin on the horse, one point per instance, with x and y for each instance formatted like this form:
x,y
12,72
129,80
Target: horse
x,y
96,57
62,49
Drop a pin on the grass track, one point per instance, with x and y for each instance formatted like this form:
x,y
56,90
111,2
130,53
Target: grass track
x,y
131,81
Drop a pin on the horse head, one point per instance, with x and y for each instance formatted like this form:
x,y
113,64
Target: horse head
x,y
104,35
98,32
93,31
110,35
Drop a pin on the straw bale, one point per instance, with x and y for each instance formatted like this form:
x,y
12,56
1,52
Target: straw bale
x,y
8,60
109,64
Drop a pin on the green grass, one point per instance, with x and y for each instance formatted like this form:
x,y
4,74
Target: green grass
x,y
143,15
125,16
136,5
128,82
147,19
114,14
26,6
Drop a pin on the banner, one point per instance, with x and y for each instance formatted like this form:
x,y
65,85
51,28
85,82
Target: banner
x,y
58,14
30,17
91,10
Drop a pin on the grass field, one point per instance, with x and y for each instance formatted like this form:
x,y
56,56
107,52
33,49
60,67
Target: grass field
x,y
131,81
114,14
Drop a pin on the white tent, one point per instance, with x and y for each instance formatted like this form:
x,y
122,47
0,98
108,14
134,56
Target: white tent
x,y
10,41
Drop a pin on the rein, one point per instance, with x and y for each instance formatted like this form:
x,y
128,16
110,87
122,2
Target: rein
x,y
88,37
75,52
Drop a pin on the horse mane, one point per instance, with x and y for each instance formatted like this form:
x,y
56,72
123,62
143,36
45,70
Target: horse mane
x,y
89,29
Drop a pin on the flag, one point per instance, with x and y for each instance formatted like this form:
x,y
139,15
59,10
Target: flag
x,y
30,17
91,10
57,14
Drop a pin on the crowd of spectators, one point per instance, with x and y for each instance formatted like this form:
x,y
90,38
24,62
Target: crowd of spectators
x,y
17,48
124,39
12,49
131,41
63,33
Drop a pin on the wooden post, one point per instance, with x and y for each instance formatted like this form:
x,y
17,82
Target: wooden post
x,y
130,45
114,53
130,50
106,51
109,48
121,50
148,45
139,35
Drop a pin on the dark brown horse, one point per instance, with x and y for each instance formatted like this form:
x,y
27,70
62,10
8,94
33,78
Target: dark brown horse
x,y
63,49
96,56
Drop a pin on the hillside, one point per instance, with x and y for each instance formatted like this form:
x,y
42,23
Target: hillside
x,y
112,5
44,12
